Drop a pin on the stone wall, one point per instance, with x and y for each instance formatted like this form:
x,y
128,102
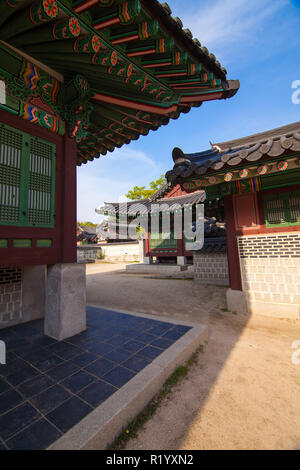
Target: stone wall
x,y
121,252
87,253
270,269
211,268
113,252
10,296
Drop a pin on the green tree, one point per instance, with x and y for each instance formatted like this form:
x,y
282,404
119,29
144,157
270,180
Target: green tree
x,y
87,224
140,192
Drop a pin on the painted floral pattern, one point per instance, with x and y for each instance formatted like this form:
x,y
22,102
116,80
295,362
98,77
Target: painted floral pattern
x,y
281,166
96,43
228,177
244,173
74,27
51,8
262,170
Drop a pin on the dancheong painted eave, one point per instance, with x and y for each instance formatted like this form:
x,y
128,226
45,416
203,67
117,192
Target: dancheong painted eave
x,y
132,66
259,155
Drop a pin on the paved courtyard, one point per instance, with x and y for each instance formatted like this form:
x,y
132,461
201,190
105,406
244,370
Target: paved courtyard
x,y
244,391
109,285
47,386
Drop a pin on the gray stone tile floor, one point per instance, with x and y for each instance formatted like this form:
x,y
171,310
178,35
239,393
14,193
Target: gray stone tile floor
x,y
47,387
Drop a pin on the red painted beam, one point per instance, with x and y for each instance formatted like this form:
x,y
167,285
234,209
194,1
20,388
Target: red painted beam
x,y
69,248
170,75
85,5
190,88
134,104
134,37
163,64
232,246
105,24
197,98
140,53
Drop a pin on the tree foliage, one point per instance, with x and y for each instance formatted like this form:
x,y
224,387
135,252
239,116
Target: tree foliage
x,y
87,224
140,192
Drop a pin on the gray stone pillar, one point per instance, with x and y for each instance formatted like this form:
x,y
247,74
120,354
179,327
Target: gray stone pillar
x,y
65,314
236,301
181,260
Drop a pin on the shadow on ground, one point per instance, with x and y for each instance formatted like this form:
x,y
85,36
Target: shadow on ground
x,y
244,391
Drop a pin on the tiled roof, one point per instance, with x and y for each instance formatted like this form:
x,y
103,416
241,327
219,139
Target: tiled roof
x,y
86,236
272,143
122,67
88,229
214,245
214,229
144,206
161,192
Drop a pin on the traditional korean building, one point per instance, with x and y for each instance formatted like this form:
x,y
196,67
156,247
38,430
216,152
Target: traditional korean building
x,y
78,79
258,179
86,235
163,246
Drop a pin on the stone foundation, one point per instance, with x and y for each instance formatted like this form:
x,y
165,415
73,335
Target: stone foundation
x,y
10,296
87,253
211,268
270,270
22,294
65,314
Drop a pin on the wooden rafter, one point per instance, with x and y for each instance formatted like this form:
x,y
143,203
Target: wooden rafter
x,y
137,59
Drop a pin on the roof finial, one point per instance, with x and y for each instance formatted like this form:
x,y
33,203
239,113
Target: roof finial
x,y
179,157
215,147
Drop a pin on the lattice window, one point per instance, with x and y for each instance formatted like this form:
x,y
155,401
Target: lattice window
x,y
27,179
162,240
40,183
294,205
282,209
10,171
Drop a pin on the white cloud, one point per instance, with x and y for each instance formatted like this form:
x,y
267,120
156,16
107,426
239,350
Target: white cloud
x,y
222,23
127,153
109,178
93,191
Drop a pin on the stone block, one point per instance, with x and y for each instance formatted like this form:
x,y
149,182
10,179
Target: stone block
x,y
236,301
65,314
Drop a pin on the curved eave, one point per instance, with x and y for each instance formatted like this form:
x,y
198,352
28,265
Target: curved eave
x,y
267,147
122,82
187,43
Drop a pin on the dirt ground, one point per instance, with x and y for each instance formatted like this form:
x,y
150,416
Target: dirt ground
x,y
244,391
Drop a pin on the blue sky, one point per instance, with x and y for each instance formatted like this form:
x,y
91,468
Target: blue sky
x,y
258,42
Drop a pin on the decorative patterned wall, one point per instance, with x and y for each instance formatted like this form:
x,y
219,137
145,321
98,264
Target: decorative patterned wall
x,y
270,268
10,295
281,245
211,268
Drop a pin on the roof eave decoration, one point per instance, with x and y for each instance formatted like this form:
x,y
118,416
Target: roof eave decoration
x,y
140,66
237,159
150,206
